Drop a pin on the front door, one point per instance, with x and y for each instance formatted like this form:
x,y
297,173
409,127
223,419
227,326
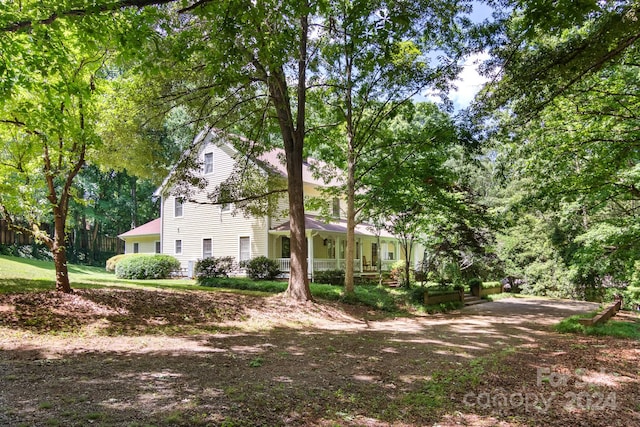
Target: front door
x,y
374,255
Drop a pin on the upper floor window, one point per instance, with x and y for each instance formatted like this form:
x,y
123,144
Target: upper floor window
x,y
336,207
208,163
178,207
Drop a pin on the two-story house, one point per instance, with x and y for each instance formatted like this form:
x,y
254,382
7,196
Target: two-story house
x,y
197,229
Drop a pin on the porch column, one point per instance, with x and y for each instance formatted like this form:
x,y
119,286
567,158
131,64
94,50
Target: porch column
x,y
310,252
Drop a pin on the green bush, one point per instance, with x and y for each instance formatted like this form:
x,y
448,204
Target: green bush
x,y
114,260
214,267
631,297
146,267
489,285
329,277
398,273
261,268
474,281
475,285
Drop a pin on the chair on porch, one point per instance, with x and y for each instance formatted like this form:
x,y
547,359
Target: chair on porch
x,y
365,265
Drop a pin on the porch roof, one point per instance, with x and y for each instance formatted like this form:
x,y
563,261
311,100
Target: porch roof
x,y
312,222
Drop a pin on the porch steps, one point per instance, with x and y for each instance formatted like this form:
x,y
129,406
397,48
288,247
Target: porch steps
x,y
471,300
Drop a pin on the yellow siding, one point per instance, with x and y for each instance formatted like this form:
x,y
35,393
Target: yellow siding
x,y
146,244
206,221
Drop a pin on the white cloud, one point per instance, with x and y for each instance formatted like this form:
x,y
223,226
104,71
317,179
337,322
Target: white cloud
x,y
469,82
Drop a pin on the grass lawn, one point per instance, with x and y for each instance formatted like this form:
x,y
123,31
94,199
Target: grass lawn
x,y
612,328
22,274
27,275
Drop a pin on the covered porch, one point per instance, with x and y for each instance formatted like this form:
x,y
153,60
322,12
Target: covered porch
x,y
326,247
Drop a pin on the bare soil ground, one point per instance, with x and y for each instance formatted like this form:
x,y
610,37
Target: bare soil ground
x,y
141,357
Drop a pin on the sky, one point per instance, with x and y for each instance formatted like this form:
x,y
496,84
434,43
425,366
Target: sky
x,y
470,81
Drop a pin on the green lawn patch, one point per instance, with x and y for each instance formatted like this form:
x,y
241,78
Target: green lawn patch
x,y
612,328
27,275
379,297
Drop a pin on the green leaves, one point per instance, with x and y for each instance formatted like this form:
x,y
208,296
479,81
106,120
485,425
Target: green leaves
x,y
549,49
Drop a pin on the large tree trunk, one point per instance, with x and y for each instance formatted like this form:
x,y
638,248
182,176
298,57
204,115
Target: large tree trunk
x,y
60,252
298,275
293,133
407,245
349,278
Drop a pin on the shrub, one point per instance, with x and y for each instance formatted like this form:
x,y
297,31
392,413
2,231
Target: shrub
x,y
329,277
474,281
397,273
214,267
475,285
261,268
146,267
114,260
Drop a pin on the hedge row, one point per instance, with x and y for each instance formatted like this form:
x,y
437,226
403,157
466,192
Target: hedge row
x,y
142,266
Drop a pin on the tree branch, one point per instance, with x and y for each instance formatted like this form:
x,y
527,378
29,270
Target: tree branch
x,y
244,199
94,10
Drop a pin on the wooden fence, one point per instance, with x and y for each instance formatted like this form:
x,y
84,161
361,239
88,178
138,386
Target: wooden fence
x,y
12,237
82,246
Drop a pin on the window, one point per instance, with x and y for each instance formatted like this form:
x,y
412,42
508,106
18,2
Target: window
x,y
158,247
225,207
374,253
207,248
331,249
178,247
336,207
286,247
177,210
136,248
208,163
245,248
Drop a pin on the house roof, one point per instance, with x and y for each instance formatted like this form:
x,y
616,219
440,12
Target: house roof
x,y
149,229
274,159
277,160
312,222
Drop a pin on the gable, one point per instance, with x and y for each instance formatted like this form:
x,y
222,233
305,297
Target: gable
x,y
273,161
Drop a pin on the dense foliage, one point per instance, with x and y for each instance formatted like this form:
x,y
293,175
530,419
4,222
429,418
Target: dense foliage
x,y
213,267
261,268
329,277
113,262
564,137
141,266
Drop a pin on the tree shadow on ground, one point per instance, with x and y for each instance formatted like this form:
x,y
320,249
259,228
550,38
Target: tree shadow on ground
x,y
294,376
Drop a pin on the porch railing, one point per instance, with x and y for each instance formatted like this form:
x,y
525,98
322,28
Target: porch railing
x,y
321,264
386,264
284,263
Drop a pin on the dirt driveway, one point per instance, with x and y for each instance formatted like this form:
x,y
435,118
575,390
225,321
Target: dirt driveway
x,y
226,359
